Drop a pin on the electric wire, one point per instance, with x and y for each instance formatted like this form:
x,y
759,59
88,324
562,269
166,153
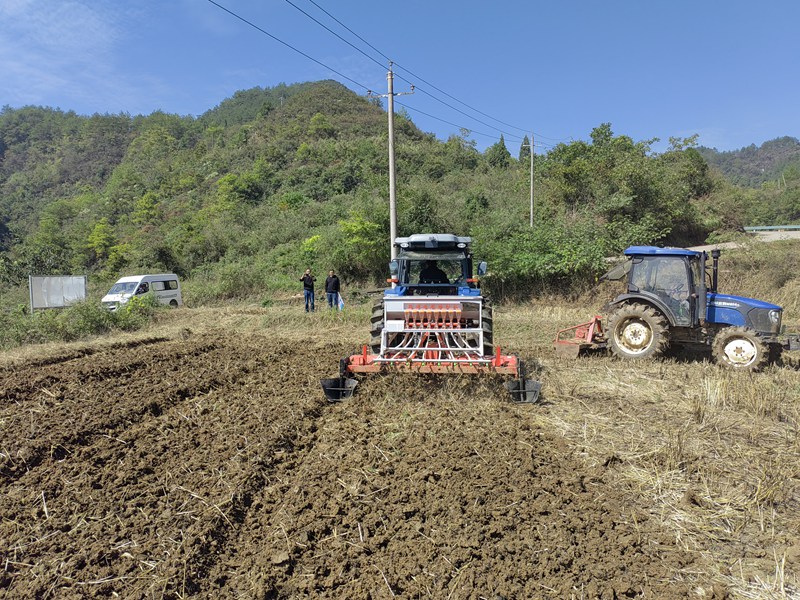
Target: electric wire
x,y
326,28
422,112
418,78
268,34
512,137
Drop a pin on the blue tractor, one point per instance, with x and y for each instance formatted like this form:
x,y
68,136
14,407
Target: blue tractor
x,y
433,320
671,299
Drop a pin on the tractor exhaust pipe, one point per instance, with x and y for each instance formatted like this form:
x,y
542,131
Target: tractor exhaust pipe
x,y
714,269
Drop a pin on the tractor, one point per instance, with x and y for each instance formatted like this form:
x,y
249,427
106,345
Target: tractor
x,y
671,300
433,320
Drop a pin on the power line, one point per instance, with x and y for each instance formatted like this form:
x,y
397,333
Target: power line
x,y
356,48
350,30
311,58
511,136
422,112
339,22
403,68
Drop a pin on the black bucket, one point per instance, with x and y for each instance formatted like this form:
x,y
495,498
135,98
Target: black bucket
x,y
338,388
524,390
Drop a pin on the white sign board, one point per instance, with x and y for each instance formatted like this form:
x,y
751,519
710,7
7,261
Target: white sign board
x,y
56,291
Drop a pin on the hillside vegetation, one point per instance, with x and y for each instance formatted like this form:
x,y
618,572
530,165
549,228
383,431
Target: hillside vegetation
x,y
274,180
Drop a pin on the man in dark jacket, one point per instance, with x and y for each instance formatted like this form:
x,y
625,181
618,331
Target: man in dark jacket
x,y
332,287
308,289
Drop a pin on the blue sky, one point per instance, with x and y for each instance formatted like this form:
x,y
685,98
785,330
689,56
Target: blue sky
x,y
724,69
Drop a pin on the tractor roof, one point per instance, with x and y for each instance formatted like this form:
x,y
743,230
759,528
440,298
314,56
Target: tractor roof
x,y
653,251
441,241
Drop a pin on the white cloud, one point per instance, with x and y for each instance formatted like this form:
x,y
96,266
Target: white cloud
x,y
59,52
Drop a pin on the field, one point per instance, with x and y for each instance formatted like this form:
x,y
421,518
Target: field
x,y
198,458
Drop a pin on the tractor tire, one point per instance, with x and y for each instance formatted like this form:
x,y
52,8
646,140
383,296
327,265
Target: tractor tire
x,y
637,331
739,348
488,330
376,322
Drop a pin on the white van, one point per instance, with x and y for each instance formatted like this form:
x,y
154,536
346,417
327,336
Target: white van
x,y
165,287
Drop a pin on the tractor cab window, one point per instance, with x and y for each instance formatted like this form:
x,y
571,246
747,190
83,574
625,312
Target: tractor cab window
x,y
697,274
428,268
668,278
435,271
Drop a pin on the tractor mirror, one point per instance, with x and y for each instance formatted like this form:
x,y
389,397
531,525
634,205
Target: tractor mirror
x,y
394,267
482,267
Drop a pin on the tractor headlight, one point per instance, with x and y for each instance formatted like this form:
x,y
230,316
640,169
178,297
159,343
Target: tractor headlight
x,y
765,321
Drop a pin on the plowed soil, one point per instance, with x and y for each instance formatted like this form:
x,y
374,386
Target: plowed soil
x,y
210,465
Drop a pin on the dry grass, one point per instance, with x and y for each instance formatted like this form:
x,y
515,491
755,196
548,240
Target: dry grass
x,y
715,454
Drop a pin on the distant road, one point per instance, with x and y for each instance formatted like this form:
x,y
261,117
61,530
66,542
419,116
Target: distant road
x,y
760,236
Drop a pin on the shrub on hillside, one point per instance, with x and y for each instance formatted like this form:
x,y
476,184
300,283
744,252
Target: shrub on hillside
x,y
81,320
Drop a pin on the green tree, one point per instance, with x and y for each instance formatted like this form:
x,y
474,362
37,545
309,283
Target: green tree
x,y
525,150
497,155
101,240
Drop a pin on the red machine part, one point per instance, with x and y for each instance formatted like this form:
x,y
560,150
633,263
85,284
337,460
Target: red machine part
x,y
433,316
571,341
433,362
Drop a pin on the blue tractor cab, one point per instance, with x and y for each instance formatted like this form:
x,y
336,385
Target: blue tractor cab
x,y
434,265
676,282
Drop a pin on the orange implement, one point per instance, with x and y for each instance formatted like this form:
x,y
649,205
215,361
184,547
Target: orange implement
x,y
570,342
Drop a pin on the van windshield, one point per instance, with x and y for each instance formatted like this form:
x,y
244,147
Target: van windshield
x,y
126,287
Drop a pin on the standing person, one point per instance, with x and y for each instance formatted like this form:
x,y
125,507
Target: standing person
x,y
308,289
332,287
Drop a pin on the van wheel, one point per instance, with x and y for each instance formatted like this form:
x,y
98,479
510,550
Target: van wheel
x,y
173,303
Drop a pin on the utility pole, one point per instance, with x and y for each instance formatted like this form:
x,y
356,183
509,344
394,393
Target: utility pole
x,y
392,169
531,146
533,154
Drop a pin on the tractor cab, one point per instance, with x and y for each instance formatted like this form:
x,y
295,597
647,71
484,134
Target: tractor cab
x,y
671,279
434,265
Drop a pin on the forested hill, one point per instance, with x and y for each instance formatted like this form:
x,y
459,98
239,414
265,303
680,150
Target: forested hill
x,y
754,165
275,180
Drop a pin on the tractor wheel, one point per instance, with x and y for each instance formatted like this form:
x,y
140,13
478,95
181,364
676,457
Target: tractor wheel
x,y
376,326
488,330
637,331
741,349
